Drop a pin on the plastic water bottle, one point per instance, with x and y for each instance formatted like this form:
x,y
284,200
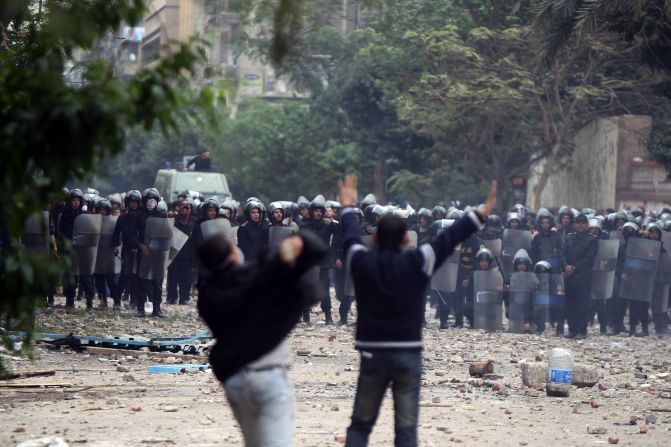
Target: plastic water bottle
x,y
560,373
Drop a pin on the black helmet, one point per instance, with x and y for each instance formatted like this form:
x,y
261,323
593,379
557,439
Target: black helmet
x,y
484,253
302,203
636,212
104,204
150,199
543,213
276,206
494,222
115,199
76,194
520,210
439,212
367,201
253,206
425,213
522,257
542,267
209,203
162,207
132,196
318,203
630,229
654,226
514,216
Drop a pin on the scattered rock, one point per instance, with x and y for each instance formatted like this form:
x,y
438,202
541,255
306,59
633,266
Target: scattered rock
x,y
136,408
457,359
602,387
123,369
340,439
480,369
170,409
128,378
533,373
585,376
19,430
642,429
594,404
596,430
613,440
436,400
651,419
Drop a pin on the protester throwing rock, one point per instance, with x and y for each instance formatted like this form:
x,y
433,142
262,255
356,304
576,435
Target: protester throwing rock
x,y
250,309
390,285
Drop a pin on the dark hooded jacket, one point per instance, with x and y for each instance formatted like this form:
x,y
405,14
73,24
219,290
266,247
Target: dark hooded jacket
x,y
261,297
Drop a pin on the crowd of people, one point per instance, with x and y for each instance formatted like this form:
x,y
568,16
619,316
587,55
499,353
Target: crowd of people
x,y
540,269
260,269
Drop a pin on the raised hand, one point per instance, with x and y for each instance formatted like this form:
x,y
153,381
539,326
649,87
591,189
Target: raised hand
x,y
347,190
486,209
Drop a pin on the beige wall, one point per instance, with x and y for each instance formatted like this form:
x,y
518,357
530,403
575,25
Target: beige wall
x,y
599,166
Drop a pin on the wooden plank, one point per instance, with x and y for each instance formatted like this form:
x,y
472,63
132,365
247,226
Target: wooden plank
x,y
36,385
23,375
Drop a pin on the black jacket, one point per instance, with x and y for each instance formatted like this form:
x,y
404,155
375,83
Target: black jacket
x,y
580,251
548,247
390,284
253,239
127,230
322,231
187,251
251,309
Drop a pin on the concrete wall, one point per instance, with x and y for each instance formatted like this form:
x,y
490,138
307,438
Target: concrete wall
x,y
599,166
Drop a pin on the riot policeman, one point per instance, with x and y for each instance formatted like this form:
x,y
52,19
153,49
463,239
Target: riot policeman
x,y
324,228
104,270
125,239
180,271
579,252
85,248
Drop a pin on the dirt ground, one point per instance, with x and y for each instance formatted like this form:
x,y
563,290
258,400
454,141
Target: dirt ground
x,y
115,401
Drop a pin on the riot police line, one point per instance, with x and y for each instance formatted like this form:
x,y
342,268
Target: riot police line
x,y
527,271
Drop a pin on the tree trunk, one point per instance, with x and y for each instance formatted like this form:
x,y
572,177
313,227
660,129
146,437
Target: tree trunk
x,y
545,175
380,181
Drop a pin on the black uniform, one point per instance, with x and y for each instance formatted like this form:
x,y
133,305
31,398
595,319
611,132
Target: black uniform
x,y
180,271
126,233
580,251
253,239
324,231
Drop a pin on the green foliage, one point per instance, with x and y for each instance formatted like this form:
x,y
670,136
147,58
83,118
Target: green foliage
x,y
51,131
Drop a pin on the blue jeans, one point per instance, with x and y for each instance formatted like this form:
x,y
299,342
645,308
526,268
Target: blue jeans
x,y
263,404
379,368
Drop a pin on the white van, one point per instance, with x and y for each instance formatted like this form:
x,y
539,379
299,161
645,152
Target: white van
x,y
171,182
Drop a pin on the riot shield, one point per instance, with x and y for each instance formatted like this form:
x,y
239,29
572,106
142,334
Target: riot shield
x,y
367,240
603,275
277,234
85,238
35,238
213,227
444,278
412,235
179,239
494,245
522,287
548,296
513,241
105,257
158,237
640,267
488,300
551,252
660,297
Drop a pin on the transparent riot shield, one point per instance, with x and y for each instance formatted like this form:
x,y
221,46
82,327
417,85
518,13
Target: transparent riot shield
x,y
178,241
603,275
85,238
278,234
412,235
660,296
494,245
105,257
367,240
213,227
548,296
488,300
158,237
444,278
637,280
35,238
513,240
522,287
